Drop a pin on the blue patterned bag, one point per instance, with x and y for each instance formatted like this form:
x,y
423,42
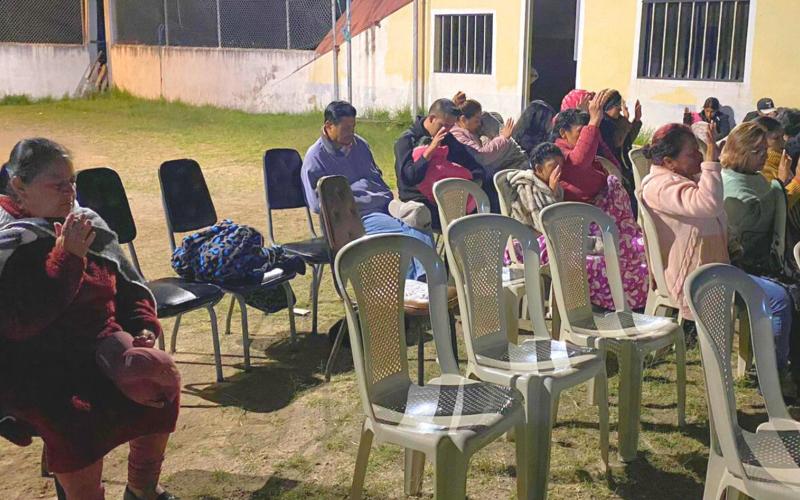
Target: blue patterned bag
x,y
225,253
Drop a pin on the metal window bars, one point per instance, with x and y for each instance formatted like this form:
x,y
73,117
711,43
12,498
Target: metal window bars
x,y
463,43
694,39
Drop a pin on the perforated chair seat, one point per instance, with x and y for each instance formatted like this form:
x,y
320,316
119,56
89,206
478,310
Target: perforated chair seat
x,y
626,325
415,298
772,455
176,296
445,404
538,356
313,250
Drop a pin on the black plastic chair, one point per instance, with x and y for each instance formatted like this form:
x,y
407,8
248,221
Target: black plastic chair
x,y
101,190
188,207
283,189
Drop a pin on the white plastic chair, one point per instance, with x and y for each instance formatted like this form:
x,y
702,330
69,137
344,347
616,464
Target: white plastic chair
x,y
641,166
449,418
658,298
629,335
610,167
503,190
796,252
539,367
764,464
451,197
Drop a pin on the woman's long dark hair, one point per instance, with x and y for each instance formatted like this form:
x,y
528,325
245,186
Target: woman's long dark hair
x,y
534,125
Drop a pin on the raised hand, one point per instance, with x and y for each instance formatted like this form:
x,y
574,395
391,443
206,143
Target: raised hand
x,y
435,142
597,107
555,177
76,235
637,111
508,128
625,111
460,98
712,150
583,103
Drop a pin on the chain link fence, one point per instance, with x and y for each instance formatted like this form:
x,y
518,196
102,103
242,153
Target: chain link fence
x,y
260,24
43,21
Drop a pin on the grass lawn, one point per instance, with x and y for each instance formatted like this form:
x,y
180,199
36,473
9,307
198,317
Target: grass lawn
x,y
279,431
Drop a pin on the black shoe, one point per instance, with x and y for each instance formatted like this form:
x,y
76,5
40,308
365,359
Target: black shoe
x,y
164,496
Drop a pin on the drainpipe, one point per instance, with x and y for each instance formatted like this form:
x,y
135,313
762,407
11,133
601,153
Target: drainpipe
x,y
334,53
415,60
349,56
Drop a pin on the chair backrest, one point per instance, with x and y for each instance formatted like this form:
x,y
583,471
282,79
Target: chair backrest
x,y
475,249
504,189
797,254
641,165
370,273
101,190
341,221
655,261
283,186
451,197
779,223
566,230
185,196
710,292
610,167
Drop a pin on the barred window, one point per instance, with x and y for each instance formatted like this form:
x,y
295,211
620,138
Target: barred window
x,y
463,43
42,21
694,40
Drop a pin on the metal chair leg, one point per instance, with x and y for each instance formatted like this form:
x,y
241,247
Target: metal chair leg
x,y
245,331
316,281
174,339
337,344
230,316
215,340
290,302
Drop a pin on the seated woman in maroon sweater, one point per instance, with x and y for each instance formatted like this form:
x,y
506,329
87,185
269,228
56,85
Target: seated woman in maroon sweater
x,y
584,179
77,334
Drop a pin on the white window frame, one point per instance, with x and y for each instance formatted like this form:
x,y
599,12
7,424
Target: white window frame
x,y
461,12
698,84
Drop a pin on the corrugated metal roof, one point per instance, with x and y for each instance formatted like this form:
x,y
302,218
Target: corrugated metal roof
x,y
363,15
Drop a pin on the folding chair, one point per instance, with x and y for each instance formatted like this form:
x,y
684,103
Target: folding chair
x,y
101,190
283,190
188,207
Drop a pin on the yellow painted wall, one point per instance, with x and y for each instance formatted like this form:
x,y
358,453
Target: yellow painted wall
x,y
776,61
609,30
508,51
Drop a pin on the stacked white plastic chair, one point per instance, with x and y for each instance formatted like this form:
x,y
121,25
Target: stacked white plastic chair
x,y
539,366
450,417
629,335
764,464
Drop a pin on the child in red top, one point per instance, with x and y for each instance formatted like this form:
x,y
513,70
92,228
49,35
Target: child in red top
x,y
439,167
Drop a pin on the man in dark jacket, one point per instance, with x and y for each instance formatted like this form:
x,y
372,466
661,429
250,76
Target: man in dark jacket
x,y
433,130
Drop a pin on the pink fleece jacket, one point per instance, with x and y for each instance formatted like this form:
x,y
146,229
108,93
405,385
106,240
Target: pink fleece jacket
x,y
486,154
690,221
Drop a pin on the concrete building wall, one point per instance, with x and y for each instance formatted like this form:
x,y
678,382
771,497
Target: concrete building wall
x,y
295,81
41,70
609,58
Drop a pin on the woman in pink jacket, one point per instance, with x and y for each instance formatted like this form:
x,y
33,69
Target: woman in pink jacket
x,y
495,154
685,197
